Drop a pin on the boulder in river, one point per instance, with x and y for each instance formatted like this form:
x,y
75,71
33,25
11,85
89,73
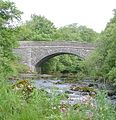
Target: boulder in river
x,y
82,88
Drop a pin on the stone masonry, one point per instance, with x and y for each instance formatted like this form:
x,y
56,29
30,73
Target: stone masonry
x,y
34,53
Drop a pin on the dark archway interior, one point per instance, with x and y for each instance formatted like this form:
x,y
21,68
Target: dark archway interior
x,y
45,59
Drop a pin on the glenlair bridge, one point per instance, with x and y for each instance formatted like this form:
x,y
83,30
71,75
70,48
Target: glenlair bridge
x,y
34,53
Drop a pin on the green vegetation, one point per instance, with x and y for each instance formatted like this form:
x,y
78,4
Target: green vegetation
x,y
74,32
62,64
38,28
102,63
39,105
8,33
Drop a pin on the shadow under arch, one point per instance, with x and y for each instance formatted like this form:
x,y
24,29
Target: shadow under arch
x,y
46,58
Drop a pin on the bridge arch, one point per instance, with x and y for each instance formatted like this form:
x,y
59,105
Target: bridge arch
x,y
47,57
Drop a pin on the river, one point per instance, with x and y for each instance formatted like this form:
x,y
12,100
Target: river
x,y
75,92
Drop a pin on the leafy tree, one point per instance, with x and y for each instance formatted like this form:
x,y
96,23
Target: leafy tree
x,y
87,34
69,32
8,14
102,64
38,28
73,32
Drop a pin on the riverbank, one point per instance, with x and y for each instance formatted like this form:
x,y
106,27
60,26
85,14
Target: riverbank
x,y
86,87
54,100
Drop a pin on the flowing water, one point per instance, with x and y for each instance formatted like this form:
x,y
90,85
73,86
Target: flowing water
x,y
57,87
75,92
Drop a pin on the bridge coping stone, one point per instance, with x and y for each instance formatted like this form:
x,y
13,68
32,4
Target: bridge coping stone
x,y
56,43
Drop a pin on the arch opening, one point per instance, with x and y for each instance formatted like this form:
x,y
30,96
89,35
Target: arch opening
x,y
64,62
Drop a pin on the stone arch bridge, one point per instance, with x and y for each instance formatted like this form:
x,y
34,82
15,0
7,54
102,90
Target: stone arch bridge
x,y
34,53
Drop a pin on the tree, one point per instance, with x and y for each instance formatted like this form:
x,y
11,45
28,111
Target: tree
x,y
74,32
8,14
38,28
68,32
87,34
102,64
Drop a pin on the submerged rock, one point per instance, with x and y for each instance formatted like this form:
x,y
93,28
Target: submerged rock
x,y
69,92
91,85
84,93
59,82
84,90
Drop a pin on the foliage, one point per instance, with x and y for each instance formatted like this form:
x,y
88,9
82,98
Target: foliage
x,y
104,109
21,68
63,64
87,34
8,14
8,100
69,33
102,63
73,32
38,28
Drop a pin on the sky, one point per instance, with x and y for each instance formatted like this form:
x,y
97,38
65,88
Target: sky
x,y
93,13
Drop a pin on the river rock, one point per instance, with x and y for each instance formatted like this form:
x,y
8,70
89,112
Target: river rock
x,y
91,85
58,82
92,94
84,93
82,88
96,85
69,92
